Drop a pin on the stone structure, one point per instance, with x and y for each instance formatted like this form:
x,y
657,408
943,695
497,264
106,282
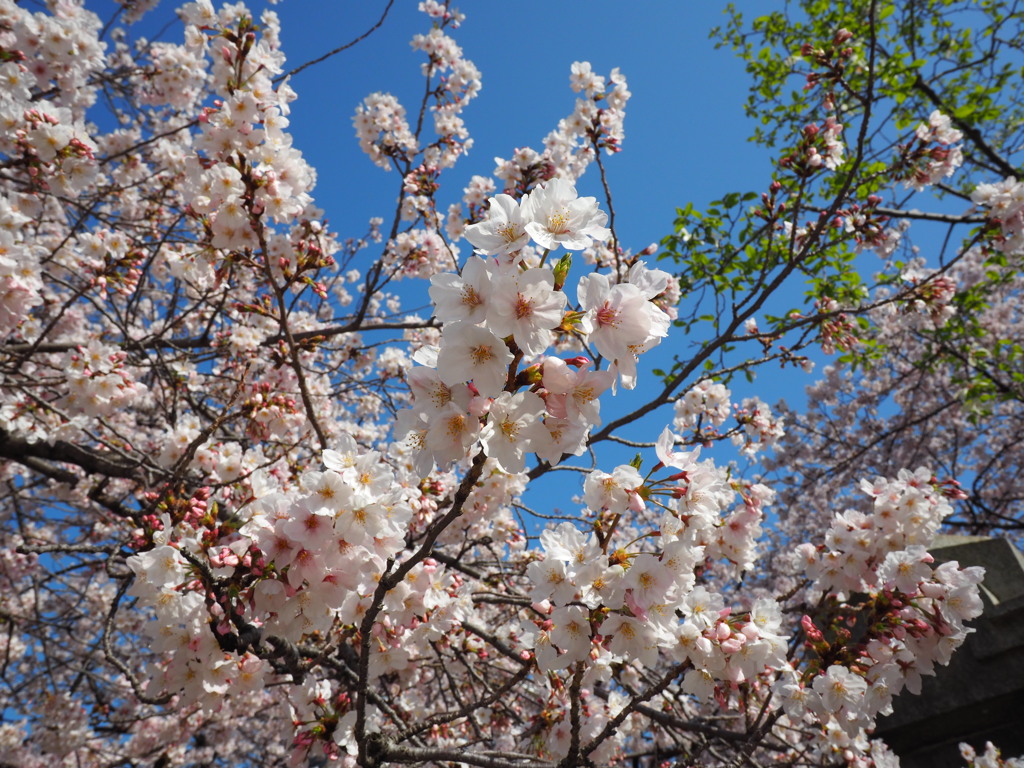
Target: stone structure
x,y
979,697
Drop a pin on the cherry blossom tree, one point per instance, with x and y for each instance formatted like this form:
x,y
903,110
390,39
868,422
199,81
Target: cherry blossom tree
x,y
256,512
938,381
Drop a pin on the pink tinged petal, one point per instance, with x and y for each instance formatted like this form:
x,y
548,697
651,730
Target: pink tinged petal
x,y
502,232
556,216
462,297
450,433
469,352
513,425
526,307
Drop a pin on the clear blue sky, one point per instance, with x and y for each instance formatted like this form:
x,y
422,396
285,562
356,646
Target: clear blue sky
x,y
685,129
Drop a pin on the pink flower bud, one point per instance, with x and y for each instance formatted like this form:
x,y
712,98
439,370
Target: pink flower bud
x,y
544,606
812,632
734,644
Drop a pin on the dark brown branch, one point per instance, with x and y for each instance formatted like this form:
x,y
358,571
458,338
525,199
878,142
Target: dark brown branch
x,y
204,341
380,751
92,461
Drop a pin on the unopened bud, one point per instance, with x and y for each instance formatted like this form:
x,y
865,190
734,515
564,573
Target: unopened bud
x,y
562,270
842,36
812,632
531,375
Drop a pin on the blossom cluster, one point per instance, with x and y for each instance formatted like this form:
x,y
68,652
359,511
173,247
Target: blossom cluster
x,y
488,380
707,401
704,409
933,164
990,758
912,615
383,130
380,121
820,147
595,124
47,139
295,565
933,297
300,549
1004,201
99,382
624,603
832,150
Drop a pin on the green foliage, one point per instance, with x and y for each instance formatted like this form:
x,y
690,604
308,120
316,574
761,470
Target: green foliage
x,y
960,56
791,257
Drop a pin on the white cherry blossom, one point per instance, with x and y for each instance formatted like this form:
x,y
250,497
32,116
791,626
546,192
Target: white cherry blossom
x,y
555,215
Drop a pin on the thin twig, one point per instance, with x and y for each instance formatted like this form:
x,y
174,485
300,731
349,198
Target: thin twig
x,y
366,34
